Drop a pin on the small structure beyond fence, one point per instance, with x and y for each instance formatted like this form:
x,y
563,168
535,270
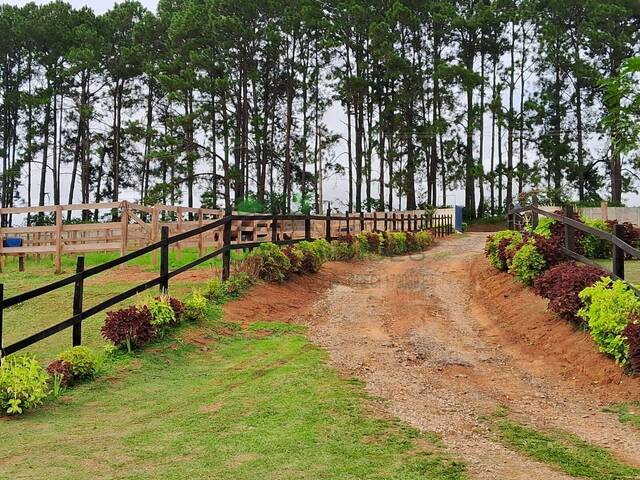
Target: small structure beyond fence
x,y
134,226
279,229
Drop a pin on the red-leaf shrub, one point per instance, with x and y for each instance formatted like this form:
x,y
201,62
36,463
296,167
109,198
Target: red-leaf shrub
x,y
295,258
129,327
373,240
557,232
561,285
631,334
629,234
550,249
64,370
177,306
347,238
412,243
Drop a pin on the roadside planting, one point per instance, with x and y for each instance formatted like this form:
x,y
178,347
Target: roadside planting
x,y
584,295
26,384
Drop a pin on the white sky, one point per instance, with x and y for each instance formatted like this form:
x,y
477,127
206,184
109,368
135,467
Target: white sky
x,y
99,6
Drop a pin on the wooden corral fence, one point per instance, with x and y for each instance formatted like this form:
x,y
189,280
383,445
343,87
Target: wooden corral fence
x,y
620,248
280,229
137,226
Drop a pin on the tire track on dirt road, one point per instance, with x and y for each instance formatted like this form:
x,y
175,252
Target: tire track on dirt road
x,y
411,329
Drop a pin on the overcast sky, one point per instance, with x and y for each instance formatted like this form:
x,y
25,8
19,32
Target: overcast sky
x,y
98,6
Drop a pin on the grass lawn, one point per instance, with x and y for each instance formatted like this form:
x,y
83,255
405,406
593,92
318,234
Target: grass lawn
x,y
627,413
259,404
631,269
34,315
561,450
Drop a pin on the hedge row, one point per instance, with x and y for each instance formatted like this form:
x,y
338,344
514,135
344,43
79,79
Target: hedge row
x,y
582,294
25,383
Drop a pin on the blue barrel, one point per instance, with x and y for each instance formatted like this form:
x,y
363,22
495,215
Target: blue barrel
x,y
12,242
458,219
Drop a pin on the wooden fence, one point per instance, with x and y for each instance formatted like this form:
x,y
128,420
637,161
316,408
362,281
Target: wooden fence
x,y
134,226
278,227
620,248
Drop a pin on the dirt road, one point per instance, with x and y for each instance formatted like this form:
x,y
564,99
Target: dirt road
x,y
424,335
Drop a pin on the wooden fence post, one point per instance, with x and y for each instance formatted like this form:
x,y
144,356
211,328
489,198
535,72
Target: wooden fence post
x,y
58,239
375,222
327,225
124,228
274,228
155,213
307,227
393,221
618,253
534,215
415,222
386,222
226,254
510,217
402,222
201,236
362,221
569,231
78,292
164,260
348,226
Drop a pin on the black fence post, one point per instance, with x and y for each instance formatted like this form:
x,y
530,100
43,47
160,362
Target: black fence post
x,y
569,231
618,253
393,221
402,222
274,228
386,222
78,293
327,226
415,222
1,320
226,253
450,225
375,222
346,216
164,260
362,221
307,227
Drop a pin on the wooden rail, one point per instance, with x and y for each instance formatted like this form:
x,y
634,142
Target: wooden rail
x,y
440,225
620,248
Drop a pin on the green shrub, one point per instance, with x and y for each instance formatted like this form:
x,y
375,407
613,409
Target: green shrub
x,y
424,239
215,291
544,226
608,306
370,243
274,265
494,248
237,284
324,249
343,250
527,263
195,307
82,361
395,243
295,256
162,315
23,384
593,246
311,257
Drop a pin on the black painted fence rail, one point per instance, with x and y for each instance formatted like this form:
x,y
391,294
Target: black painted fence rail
x,y
440,225
619,246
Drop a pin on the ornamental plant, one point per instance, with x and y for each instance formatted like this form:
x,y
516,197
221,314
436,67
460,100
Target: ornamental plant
x,y
343,250
561,285
323,249
23,384
129,327
215,291
527,263
295,258
608,306
61,375
177,306
631,335
544,227
311,260
496,245
274,264
162,315
424,238
81,360
237,285
395,243
595,247
412,243
550,249
370,242
195,307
